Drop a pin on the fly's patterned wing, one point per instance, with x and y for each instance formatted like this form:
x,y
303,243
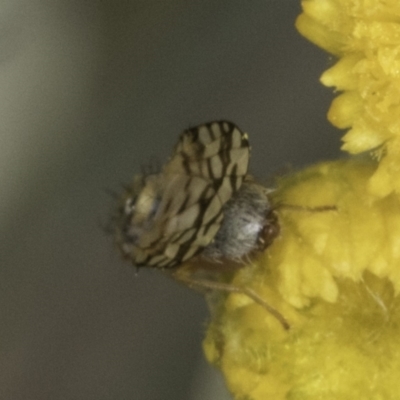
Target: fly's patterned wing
x,y
167,218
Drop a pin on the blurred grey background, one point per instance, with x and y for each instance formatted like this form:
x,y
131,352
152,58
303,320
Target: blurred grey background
x,y
90,92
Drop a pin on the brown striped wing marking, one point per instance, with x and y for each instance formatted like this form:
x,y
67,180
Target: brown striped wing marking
x,y
179,211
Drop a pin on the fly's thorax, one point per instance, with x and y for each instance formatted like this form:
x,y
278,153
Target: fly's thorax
x,y
246,222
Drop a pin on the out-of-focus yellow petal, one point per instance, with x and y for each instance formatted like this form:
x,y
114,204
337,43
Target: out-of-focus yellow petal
x,y
365,36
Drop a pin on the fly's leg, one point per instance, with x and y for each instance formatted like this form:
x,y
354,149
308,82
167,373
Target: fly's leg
x,y
229,288
305,208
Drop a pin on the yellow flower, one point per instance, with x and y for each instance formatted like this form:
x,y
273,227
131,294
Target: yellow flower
x,y
334,275
365,35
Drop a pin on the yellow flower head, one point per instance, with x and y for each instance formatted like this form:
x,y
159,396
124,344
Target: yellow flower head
x,y
334,275
365,36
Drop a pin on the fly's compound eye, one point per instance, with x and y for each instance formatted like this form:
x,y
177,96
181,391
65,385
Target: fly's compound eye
x,y
129,206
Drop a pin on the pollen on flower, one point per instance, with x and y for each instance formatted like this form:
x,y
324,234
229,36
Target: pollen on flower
x,y
365,36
